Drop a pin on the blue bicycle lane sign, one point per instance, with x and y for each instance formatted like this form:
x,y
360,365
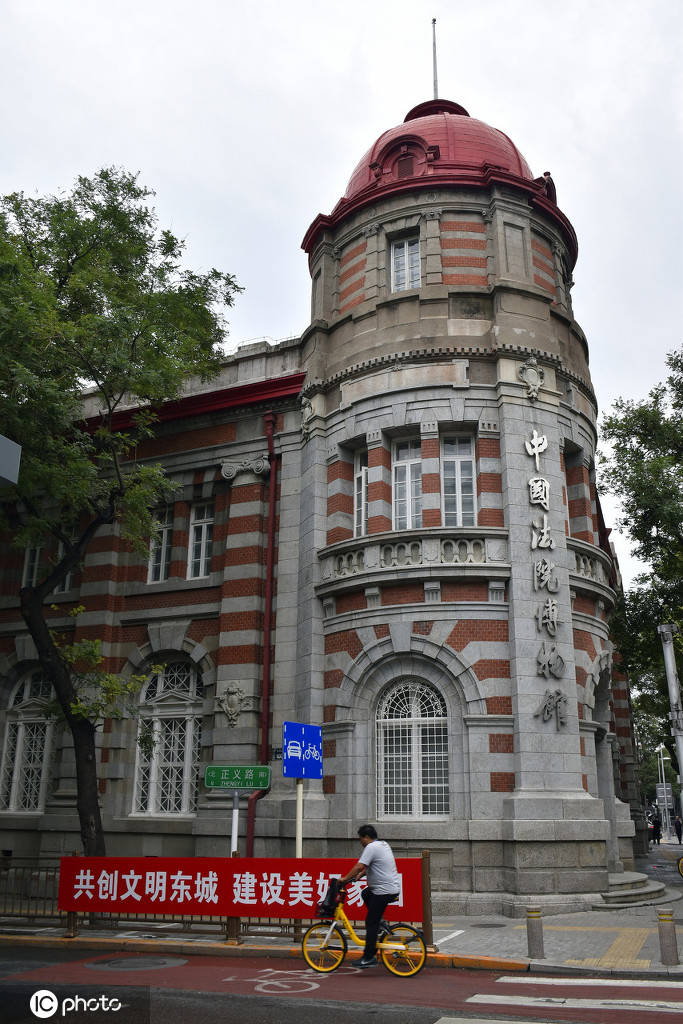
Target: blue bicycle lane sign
x,y
302,751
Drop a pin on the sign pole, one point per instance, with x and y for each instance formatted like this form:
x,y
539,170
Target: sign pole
x,y
235,820
299,818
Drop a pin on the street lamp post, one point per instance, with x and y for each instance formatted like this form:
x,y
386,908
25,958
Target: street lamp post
x,y
666,632
662,778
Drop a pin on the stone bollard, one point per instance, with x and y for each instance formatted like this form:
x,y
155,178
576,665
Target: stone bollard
x,y
668,947
534,933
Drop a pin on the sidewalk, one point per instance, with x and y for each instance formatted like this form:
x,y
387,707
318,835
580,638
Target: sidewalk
x,y
624,942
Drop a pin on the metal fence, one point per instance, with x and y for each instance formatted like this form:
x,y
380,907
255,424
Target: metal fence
x,y
29,887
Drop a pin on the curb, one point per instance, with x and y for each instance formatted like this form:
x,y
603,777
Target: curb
x,y
488,963
207,947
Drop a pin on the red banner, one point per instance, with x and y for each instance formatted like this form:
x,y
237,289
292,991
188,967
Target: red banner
x,y
222,886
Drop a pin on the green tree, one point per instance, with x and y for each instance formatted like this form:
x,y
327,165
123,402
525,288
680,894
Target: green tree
x,y
644,468
97,313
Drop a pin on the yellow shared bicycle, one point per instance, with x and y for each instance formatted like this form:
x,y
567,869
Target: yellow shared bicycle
x,y
400,946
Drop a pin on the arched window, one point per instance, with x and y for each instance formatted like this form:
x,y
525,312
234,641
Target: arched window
x,y
27,750
412,752
169,741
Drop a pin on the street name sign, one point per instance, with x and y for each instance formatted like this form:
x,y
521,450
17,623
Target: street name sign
x,y
237,776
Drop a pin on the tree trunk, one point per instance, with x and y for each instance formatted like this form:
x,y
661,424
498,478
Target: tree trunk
x,y
82,730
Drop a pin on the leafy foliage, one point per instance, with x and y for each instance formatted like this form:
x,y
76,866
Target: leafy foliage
x,y
645,470
93,296
98,318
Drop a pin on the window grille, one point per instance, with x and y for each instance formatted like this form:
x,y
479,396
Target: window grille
x,y
26,760
407,490
457,467
68,581
31,566
169,743
160,547
412,752
360,495
201,539
405,264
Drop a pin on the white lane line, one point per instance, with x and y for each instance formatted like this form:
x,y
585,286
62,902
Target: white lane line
x,y
615,983
480,1020
654,1005
451,935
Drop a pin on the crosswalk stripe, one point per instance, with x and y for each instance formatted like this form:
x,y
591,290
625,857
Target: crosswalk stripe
x,y
591,982
655,1005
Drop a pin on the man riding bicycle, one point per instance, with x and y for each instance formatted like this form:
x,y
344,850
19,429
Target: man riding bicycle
x,y
377,862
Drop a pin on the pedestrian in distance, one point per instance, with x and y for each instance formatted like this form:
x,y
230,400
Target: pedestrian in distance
x,y
657,830
377,862
678,828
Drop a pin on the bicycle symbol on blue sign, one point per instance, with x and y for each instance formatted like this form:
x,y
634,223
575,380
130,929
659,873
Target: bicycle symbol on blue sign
x,y
302,751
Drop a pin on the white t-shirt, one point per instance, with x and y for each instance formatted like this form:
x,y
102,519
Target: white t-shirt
x,y
380,868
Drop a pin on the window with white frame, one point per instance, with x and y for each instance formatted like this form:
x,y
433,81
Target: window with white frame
x,y
412,752
160,546
31,566
360,494
169,742
201,539
68,581
26,765
457,468
405,264
407,485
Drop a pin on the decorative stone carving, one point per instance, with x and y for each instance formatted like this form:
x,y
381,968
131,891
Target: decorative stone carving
x,y
544,576
259,466
547,617
540,533
539,492
496,550
306,417
550,662
554,705
231,703
533,376
534,447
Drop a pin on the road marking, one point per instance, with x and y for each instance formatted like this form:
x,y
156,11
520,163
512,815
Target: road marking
x,y
597,982
451,935
479,1020
543,1002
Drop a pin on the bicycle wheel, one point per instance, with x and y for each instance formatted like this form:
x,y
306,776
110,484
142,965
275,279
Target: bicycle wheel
x,y
680,865
321,953
408,961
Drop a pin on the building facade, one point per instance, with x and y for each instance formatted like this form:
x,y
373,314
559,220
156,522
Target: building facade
x,y
388,526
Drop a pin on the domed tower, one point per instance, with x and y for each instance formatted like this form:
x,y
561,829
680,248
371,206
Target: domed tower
x,y
454,589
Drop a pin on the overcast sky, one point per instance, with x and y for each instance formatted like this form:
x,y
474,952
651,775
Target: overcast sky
x,y
247,119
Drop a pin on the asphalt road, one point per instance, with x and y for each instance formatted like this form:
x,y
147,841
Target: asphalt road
x,y
130,988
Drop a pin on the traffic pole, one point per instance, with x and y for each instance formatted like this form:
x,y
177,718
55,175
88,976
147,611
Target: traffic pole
x,y
235,821
299,817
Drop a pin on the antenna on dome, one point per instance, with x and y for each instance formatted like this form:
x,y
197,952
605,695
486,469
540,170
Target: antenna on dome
x,y
436,82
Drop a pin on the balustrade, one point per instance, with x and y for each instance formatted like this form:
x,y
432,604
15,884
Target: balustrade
x,y
432,549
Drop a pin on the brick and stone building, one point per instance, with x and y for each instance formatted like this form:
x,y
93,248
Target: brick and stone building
x,y
389,526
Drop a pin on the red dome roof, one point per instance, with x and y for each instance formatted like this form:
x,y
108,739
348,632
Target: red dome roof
x,y
456,141
438,146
